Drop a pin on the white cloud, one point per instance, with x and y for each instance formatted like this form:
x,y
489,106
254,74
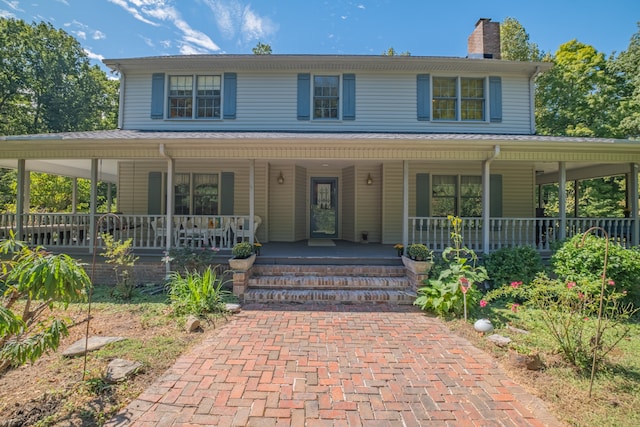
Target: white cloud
x,y
15,5
64,2
152,11
147,40
6,14
165,43
232,18
360,6
98,35
80,34
93,55
343,17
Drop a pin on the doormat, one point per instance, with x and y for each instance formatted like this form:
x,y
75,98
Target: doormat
x,y
320,242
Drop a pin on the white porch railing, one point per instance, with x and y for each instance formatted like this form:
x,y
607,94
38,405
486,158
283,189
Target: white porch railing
x,y
540,233
146,231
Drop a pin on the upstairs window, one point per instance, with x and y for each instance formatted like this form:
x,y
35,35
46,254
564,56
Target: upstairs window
x,y
326,90
456,98
205,96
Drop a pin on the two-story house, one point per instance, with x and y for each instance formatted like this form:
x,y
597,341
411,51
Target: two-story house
x,y
211,148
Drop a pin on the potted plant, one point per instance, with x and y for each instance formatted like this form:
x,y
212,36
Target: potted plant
x,y
243,256
419,258
399,247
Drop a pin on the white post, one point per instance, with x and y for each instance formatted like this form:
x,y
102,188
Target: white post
x,y
562,199
20,198
109,198
93,204
169,203
74,195
252,172
632,187
486,205
405,205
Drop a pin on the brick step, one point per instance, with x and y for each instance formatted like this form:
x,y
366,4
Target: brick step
x,y
342,296
328,270
328,282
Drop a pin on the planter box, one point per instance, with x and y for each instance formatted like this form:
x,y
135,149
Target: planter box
x,y
417,267
243,264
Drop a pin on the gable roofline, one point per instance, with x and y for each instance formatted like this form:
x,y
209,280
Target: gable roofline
x,y
325,62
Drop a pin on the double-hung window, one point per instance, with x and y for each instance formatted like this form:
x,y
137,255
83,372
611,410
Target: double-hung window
x,y
196,193
326,91
459,195
459,98
202,91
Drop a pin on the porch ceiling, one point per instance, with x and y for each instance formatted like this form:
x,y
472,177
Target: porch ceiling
x,y
77,168
68,153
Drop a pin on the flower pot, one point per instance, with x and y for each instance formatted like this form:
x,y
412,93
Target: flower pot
x,y
417,267
242,264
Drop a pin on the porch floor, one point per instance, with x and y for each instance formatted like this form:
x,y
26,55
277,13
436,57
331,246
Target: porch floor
x,y
343,252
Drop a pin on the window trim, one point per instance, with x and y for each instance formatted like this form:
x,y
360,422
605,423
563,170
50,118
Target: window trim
x,y
191,194
338,98
459,99
195,97
458,198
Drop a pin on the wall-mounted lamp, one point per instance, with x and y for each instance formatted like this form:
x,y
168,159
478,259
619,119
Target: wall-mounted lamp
x,y
280,178
369,180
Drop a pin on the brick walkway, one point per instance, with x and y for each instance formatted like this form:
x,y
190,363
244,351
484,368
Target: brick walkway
x,y
369,365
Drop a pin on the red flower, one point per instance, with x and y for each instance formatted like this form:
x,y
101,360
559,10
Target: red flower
x,y
571,285
611,282
515,285
483,303
514,307
580,295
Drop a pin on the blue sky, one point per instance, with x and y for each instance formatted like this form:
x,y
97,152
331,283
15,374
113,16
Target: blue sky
x,y
134,28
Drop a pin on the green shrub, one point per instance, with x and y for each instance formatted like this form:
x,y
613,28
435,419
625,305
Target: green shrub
x,y
507,265
419,252
120,255
575,262
445,295
197,293
242,250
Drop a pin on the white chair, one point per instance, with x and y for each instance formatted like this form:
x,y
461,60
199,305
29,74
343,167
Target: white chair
x,y
219,228
240,228
159,231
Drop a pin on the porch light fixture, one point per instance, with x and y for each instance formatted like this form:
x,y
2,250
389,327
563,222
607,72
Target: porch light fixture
x,y
369,180
280,178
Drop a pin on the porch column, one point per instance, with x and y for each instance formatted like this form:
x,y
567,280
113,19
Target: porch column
x,y
632,188
109,198
93,204
486,199
252,173
562,199
20,198
74,195
171,166
405,205
576,198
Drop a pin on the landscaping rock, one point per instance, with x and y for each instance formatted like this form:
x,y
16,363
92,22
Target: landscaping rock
x,y
93,343
121,369
520,331
193,324
232,308
499,340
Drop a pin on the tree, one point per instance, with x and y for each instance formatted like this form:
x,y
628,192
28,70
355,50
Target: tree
x,y
33,281
581,95
627,64
515,44
392,52
262,49
48,85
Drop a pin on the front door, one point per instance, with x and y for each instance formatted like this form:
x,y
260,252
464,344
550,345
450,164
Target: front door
x,y
324,208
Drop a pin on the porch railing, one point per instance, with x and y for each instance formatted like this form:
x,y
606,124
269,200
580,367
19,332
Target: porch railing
x,y
540,233
146,231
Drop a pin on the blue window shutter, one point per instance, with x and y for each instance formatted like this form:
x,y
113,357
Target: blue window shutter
x,y
349,97
424,97
157,96
230,93
304,93
154,194
422,195
495,196
495,99
227,193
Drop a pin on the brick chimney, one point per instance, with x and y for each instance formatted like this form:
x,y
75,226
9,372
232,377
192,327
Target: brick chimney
x,y
484,41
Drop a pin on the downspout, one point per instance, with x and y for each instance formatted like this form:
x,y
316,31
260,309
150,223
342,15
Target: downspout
x,y
532,100
169,202
121,98
486,198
